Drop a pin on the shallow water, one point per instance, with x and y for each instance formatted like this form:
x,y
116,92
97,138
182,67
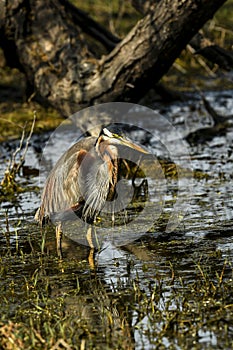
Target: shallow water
x,y
200,237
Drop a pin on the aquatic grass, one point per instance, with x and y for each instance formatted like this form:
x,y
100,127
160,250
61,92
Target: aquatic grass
x,y
73,307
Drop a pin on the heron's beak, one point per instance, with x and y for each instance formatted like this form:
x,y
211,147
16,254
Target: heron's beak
x,y
130,144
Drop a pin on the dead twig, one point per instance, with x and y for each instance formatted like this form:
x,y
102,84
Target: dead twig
x,y
8,182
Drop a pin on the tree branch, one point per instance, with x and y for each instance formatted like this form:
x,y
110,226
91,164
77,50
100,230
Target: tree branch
x,y
200,43
59,64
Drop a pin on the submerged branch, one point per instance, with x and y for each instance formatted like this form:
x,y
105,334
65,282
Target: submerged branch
x,y
219,125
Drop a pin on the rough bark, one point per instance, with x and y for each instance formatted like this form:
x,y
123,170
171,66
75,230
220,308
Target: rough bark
x,y
51,50
200,43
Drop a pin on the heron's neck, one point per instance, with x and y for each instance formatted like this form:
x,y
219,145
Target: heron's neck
x,y
109,154
112,165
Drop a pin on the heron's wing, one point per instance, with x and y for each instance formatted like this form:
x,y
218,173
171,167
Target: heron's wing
x,y
61,190
85,187
93,183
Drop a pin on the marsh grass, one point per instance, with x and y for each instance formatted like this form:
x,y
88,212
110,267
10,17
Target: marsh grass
x,y
52,304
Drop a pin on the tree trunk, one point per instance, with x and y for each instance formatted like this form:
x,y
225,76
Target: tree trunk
x,y
43,40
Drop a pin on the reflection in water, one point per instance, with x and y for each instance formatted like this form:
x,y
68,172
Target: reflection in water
x,y
164,290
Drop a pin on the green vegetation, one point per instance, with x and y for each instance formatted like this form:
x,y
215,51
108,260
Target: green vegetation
x,y
15,111
117,16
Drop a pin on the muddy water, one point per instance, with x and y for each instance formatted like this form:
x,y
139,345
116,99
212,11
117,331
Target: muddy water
x,y
199,247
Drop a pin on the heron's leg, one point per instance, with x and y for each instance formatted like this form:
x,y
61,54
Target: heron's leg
x,y
113,216
89,237
127,168
59,240
91,257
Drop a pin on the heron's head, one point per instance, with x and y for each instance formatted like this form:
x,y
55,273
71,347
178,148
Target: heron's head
x,y
110,142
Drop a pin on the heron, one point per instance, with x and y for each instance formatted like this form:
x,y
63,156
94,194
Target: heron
x,y
83,179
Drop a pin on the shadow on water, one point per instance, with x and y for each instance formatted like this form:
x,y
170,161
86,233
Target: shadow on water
x,y
162,290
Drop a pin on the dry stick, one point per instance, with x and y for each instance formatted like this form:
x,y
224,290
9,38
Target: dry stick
x,y
11,165
12,169
22,158
12,160
11,122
